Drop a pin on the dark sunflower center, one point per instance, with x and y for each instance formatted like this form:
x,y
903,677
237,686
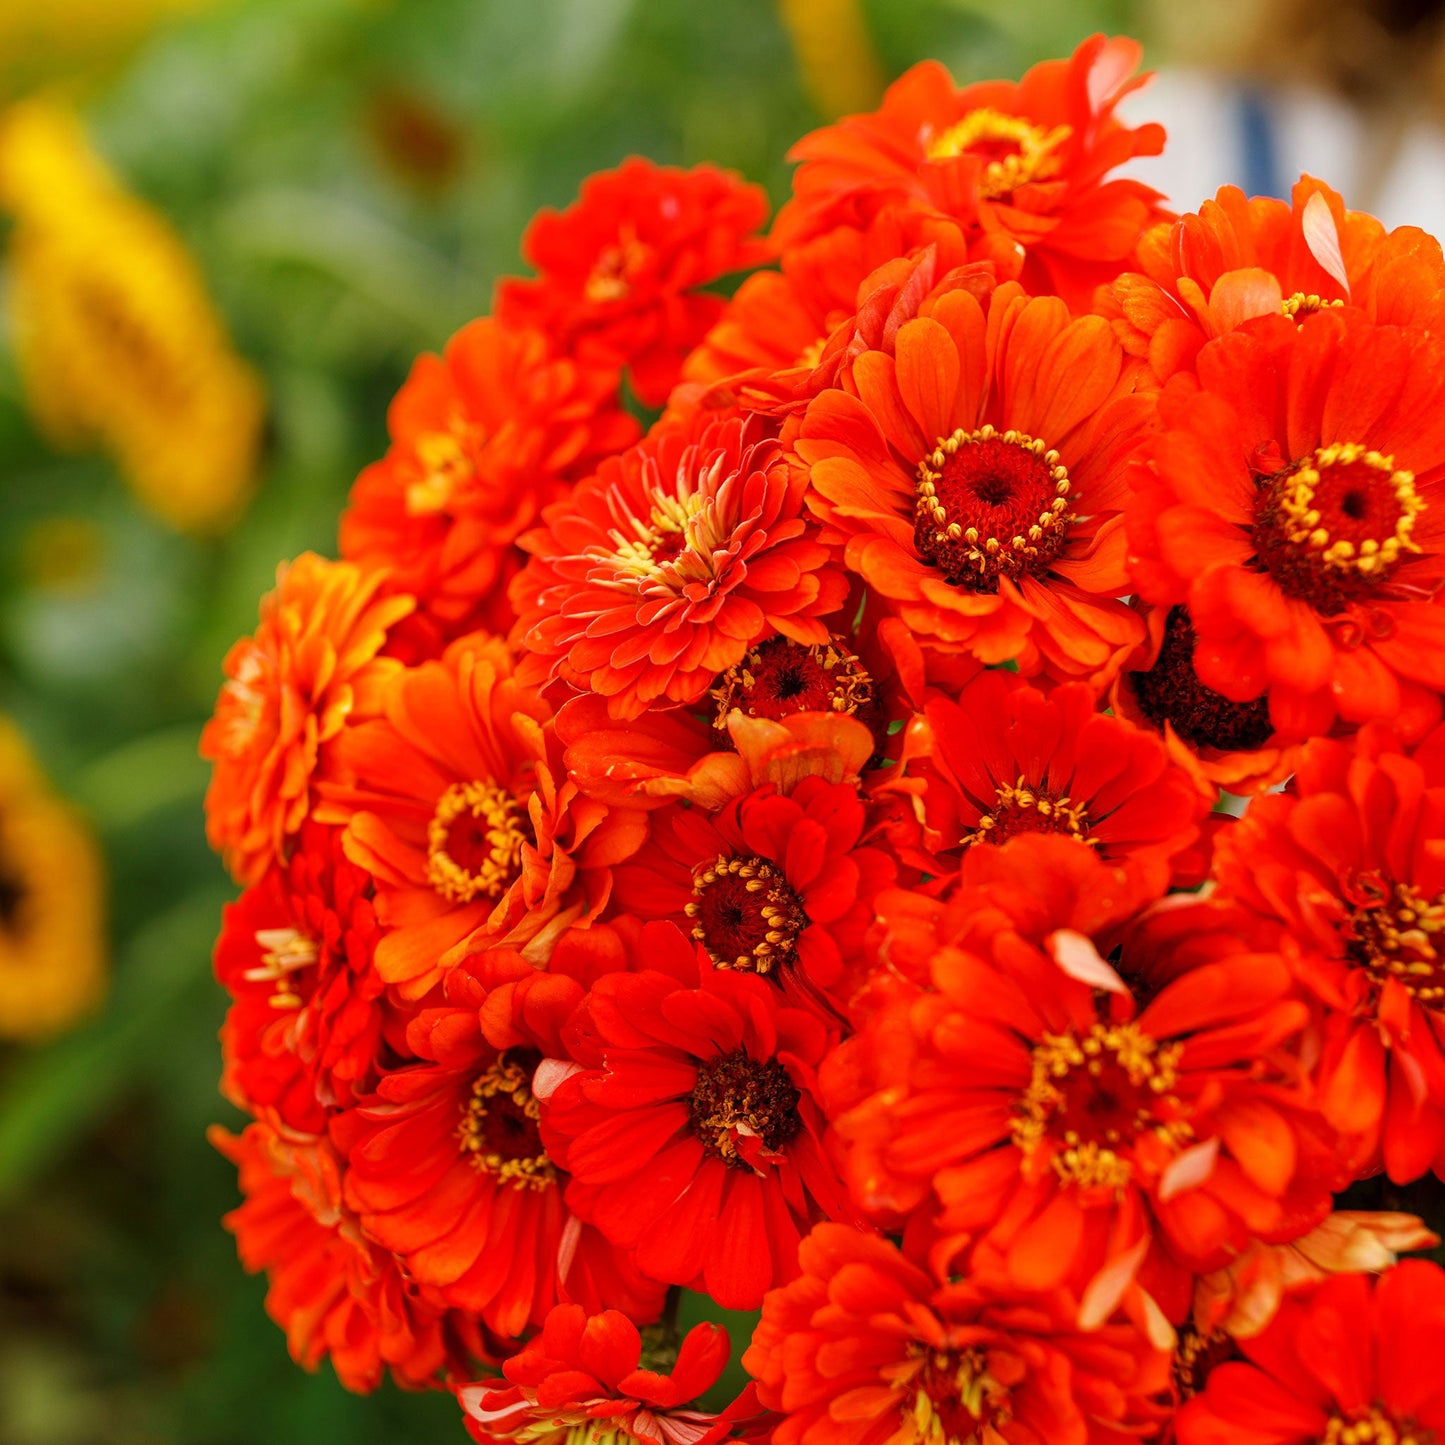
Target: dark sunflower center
x,y
736,1096
1172,692
780,677
474,841
1089,1097
1333,528
13,896
955,1397
1394,933
499,1123
745,913
991,504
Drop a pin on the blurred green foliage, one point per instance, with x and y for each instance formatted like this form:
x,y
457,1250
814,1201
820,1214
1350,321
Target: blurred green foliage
x,y
352,175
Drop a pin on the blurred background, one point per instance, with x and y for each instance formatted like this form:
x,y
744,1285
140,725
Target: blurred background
x,y
225,231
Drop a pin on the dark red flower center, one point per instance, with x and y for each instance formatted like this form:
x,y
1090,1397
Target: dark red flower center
x,y
1394,931
1024,808
955,1397
1333,528
1375,1425
745,913
499,1123
1172,692
738,1098
474,841
1196,1356
1013,150
989,504
780,677
1090,1097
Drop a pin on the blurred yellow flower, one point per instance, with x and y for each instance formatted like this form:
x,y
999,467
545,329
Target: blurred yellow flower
x,y
117,341
52,949
836,57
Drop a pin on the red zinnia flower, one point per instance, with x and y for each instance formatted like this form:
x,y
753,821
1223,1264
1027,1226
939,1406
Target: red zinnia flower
x,y
691,1129
1059,1114
620,269
332,1290
867,1348
663,569
1293,505
295,953
976,473
1020,166
583,1378
1007,759
1237,259
458,805
483,437
311,668
1354,1362
1350,863
771,885
445,1165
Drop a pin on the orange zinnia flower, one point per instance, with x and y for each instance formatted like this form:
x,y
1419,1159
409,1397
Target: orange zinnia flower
x,y
621,269
1007,759
333,1291
446,1168
867,1347
975,473
1354,1362
663,569
582,1378
1222,744
304,1030
1062,1111
311,668
1020,166
1293,506
1238,259
457,803
483,437
690,1122
1349,863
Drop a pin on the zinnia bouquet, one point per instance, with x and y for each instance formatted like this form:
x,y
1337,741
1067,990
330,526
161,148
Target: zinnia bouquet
x,y
774,849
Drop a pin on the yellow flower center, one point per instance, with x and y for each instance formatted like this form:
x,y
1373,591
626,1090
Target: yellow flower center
x,y
1394,933
499,1124
474,841
1332,528
745,913
991,503
1298,306
284,951
955,1398
1014,151
1089,1099
1023,808
1375,1426
444,469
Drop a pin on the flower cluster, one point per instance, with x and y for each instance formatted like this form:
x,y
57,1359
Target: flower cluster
x,y
774,849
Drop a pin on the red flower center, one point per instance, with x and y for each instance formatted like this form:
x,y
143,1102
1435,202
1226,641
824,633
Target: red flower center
x,y
1393,931
1331,529
1172,692
745,913
738,1099
1090,1099
499,1123
1013,150
990,503
1023,808
780,677
474,841
955,1397
1375,1425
